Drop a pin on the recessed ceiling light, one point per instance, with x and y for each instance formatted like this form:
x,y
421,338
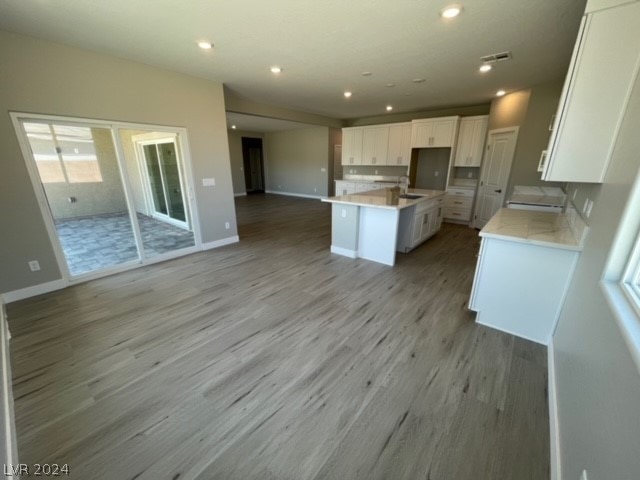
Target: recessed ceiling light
x,y
276,69
233,127
418,80
500,93
391,85
451,11
485,68
389,108
408,94
205,45
347,94
366,74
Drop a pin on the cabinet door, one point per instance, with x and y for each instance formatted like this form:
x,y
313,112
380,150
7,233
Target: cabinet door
x,y
421,134
399,152
477,144
351,146
375,143
443,133
465,143
595,94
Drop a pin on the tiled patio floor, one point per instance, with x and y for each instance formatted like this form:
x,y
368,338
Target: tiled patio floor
x,y
102,241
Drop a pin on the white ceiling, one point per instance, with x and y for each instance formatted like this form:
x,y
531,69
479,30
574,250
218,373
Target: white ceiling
x,y
251,123
323,45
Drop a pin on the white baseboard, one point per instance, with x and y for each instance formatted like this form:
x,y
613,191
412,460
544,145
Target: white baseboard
x,y
302,195
243,194
345,252
554,428
35,290
220,243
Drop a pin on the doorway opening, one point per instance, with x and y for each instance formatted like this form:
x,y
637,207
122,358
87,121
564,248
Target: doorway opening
x,y
253,160
113,196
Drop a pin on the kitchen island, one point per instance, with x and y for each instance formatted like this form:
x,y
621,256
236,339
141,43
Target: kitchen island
x,y
364,226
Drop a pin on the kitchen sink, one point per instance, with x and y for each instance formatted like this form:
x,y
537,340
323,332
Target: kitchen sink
x,y
409,196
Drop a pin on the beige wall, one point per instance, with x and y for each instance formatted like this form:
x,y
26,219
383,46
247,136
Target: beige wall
x,y
598,384
236,103
44,77
510,110
294,159
93,198
237,160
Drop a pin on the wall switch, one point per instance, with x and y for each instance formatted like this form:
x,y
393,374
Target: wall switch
x,y
584,475
344,213
435,174
208,182
376,172
34,265
323,169
226,225
315,189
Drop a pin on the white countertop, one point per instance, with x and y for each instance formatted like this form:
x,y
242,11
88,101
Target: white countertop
x,y
378,198
537,228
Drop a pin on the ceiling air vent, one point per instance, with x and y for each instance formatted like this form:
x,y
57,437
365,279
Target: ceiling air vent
x,y
496,57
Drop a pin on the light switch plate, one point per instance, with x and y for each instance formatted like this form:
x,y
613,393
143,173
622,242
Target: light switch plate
x,y
323,169
208,182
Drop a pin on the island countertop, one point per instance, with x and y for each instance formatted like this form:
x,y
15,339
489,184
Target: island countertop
x,y
537,228
378,198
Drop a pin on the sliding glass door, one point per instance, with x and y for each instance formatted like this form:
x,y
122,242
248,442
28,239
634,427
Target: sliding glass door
x,y
113,197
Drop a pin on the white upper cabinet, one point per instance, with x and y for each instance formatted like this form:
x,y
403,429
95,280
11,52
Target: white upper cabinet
x,y
471,138
434,132
352,146
375,143
604,65
399,152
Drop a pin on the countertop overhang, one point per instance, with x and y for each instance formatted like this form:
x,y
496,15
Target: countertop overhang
x,y
378,198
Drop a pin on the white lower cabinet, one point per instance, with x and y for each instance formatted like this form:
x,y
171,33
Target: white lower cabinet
x,y
519,287
345,188
418,223
458,204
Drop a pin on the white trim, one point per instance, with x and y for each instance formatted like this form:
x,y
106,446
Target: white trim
x,y
554,426
220,243
290,194
39,289
344,252
10,454
243,194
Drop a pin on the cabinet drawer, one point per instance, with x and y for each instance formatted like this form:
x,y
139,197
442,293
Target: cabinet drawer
x,y
461,192
459,202
457,214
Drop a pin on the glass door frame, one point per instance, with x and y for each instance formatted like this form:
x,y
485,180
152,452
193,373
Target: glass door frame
x,y
140,142
17,118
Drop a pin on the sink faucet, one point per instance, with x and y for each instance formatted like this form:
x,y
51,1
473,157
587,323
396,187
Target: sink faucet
x,y
405,184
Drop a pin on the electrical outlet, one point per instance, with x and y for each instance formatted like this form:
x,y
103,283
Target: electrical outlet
x,y
469,175
435,174
344,213
323,169
208,182
376,172
279,186
226,225
34,265
584,475
315,190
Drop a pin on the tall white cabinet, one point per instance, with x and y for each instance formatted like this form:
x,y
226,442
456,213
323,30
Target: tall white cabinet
x,y
604,65
434,132
399,144
471,138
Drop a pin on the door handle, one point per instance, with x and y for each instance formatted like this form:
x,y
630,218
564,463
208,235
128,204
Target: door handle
x,y
498,191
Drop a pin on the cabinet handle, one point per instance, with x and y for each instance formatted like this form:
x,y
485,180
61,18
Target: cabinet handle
x,y
459,203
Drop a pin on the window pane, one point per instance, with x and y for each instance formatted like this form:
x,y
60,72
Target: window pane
x,y
44,152
78,150
155,178
174,190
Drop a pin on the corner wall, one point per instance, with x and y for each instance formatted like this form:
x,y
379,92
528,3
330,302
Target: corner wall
x,y
295,159
597,381
43,77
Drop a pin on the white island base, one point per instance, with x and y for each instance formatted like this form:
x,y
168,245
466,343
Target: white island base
x,y
364,226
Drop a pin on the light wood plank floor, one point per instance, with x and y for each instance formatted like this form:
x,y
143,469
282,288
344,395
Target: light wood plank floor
x,y
274,359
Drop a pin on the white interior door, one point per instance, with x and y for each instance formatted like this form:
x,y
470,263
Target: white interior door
x,y
498,157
